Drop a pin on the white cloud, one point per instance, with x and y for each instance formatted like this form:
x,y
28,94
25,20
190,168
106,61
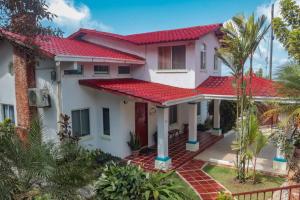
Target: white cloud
x,y
70,17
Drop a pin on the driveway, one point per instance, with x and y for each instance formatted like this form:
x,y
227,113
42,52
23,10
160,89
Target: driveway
x,y
221,153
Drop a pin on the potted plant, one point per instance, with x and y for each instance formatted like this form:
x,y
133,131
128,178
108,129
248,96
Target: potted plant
x,y
134,144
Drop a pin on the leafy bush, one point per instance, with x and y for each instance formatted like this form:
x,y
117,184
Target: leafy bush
x,y
120,182
227,115
131,182
162,186
206,126
100,158
134,142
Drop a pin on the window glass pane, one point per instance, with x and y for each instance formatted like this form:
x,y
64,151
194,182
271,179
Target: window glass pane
x,y
76,128
203,56
124,70
106,123
12,114
199,108
101,69
178,57
78,71
164,58
8,112
215,62
85,122
173,114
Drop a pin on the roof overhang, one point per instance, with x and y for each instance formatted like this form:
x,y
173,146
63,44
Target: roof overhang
x,y
70,58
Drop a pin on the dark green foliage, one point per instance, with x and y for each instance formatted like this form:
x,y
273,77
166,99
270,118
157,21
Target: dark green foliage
x,y
33,168
224,196
206,126
130,182
228,115
287,28
120,183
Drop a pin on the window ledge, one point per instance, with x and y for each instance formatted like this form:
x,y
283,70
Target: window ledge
x,y
172,71
86,138
106,137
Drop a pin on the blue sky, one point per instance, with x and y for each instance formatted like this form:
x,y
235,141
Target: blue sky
x,y
135,16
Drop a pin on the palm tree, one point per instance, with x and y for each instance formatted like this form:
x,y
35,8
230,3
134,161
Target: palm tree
x,y
241,38
33,168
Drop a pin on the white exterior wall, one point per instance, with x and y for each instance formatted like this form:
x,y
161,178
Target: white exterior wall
x,y
7,80
211,43
43,81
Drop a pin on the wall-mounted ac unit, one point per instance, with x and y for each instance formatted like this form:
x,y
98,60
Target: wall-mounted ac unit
x,y
39,97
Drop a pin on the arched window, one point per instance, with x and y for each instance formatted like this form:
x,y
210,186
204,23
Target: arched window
x,y
203,56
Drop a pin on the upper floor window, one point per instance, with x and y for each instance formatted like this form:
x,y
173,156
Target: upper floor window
x,y
81,122
78,71
8,112
101,69
216,60
203,56
124,69
172,57
173,114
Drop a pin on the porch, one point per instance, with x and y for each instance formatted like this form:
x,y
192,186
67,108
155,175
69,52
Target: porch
x,y
177,151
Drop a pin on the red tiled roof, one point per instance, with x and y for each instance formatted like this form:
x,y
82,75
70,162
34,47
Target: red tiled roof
x,y
149,91
190,33
225,85
54,46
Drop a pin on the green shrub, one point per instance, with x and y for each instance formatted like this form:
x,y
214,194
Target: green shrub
x,y
120,182
130,182
227,115
163,186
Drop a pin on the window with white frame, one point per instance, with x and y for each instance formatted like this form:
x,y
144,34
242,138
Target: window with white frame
x,y
216,60
78,71
172,57
124,69
106,121
173,114
101,69
81,122
8,112
203,56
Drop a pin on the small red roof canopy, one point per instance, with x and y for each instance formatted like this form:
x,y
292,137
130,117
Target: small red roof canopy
x,y
55,46
190,33
225,86
149,91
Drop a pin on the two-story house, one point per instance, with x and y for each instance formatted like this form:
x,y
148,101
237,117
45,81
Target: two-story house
x,y
112,84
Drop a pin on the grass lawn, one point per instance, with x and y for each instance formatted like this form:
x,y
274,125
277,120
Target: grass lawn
x,y
187,189
226,177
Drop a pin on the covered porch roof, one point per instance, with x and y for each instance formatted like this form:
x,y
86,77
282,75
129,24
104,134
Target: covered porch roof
x,y
224,88
164,95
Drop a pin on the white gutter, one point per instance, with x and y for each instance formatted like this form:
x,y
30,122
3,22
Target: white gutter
x,y
64,58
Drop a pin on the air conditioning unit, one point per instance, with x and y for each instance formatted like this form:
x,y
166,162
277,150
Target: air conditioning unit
x,y
39,97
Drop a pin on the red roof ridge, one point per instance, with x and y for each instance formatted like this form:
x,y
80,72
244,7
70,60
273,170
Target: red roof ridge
x,y
176,29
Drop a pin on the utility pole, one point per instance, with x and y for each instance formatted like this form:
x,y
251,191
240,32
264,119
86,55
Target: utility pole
x,y
271,45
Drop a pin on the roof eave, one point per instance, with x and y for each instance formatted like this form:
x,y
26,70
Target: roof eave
x,y
71,58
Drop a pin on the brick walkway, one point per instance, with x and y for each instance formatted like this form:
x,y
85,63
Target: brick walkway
x,y
177,151
203,184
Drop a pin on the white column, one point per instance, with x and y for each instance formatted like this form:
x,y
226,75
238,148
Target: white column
x,y
216,122
279,162
192,144
162,161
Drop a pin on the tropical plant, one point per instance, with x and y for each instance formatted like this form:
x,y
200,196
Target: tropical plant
x,y
130,182
287,27
163,186
120,182
241,38
134,142
35,168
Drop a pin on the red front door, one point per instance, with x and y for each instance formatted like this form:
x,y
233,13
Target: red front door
x,y
141,122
